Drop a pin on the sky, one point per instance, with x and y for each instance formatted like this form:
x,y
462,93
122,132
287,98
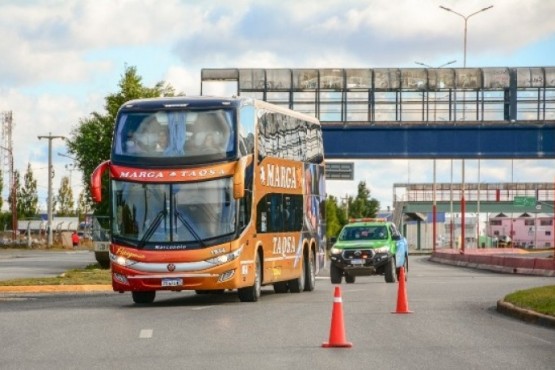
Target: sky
x,y
60,58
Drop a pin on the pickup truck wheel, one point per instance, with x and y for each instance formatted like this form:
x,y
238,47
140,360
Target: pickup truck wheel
x,y
349,279
406,266
335,274
390,271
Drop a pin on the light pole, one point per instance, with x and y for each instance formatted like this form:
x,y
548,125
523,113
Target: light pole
x,y
465,17
441,66
434,205
50,137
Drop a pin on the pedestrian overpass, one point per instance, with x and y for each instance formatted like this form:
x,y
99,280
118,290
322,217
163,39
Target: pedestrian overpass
x,y
411,112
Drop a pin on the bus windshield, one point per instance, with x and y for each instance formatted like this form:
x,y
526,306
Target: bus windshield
x,y
153,215
175,133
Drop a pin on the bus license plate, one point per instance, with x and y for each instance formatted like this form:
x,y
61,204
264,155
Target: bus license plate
x,y
357,262
172,282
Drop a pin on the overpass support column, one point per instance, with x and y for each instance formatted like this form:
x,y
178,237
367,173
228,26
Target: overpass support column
x,y
510,97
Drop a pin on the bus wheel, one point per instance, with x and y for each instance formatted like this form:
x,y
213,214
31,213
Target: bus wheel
x,y
281,287
252,293
310,275
143,297
297,285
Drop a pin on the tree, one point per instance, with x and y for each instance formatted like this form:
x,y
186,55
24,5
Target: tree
x,y
363,205
333,217
90,141
64,200
27,196
84,205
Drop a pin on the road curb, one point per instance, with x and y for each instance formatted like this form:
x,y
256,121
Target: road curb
x,y
56,288
503,264
526,315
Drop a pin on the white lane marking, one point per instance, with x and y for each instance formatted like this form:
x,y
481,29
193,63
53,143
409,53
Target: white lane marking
x,y
201,308
145,333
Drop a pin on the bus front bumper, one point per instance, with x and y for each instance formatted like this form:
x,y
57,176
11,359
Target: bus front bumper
x,y
181,276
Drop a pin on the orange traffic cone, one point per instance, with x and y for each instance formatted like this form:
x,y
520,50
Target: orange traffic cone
x,y
337,330
402,302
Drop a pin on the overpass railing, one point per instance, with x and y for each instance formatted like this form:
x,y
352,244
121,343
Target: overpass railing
x,y
408,95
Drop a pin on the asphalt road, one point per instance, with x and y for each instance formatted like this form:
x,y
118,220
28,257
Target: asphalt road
x,y
25,263
454,325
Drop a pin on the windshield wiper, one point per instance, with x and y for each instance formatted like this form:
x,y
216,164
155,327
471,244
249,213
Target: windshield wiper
x,y
188,226
150,231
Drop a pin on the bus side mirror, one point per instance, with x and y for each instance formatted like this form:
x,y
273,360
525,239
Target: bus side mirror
x,y
239,177
96,181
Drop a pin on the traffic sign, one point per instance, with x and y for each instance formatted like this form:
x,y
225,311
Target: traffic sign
x,y
524,201
340,170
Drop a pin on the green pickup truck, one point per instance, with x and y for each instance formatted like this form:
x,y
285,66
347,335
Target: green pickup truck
x,y
368,246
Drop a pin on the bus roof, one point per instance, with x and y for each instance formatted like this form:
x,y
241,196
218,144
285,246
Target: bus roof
x,y
209,102
181,102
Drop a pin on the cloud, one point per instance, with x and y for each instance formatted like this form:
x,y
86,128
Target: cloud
x,y
61,58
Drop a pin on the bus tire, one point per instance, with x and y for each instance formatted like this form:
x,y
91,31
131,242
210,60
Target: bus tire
x,y
143,297
297,285
252,293
281,287
310,273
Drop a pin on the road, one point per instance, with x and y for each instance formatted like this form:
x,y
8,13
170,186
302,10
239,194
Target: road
x,y
25,263
454,325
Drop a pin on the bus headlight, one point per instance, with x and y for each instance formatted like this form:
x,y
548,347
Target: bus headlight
x,y
122,261
225,258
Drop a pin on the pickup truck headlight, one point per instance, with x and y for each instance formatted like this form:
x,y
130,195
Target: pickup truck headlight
x,y
334,250
384,249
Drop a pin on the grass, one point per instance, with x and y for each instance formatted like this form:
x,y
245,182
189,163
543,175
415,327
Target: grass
x,y
90,275
541,299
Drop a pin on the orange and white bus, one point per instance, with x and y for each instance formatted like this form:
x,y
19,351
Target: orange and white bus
x,y
214,194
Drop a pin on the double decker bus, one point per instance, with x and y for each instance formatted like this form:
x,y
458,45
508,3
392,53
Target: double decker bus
x,y
214,194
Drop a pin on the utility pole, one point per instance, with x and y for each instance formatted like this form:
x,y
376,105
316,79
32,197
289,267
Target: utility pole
x,y
50,137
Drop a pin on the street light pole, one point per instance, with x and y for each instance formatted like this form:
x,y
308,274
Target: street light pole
x,y
434,205
50,137
465,17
